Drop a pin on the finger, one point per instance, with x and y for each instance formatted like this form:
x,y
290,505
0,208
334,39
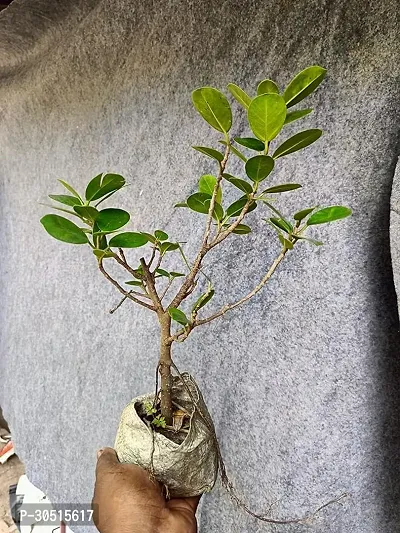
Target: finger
x,y
187,504
106,460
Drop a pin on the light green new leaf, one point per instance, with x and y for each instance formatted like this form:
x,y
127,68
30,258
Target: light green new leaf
x,y
129,239
210,152
86,211
300,215
285,242
70,188
267,86
329,214
112,219
266,116
161,235
239,183
214,107
296,115
63,229
203,300
178,315
250,142
103,184
239,95
66,199
297,142
103,254
259,167
282,188
303,84
207,184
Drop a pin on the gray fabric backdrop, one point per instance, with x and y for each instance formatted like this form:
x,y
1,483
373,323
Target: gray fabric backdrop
x,y
303,382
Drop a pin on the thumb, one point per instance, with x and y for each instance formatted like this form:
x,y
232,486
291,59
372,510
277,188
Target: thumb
x,y
106,460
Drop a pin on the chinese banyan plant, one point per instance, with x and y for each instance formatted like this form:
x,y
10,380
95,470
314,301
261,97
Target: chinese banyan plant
x,y
163,292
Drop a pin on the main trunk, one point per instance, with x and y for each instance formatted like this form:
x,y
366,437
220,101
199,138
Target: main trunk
x,y
165,369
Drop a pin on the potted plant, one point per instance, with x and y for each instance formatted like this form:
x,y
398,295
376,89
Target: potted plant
x,y
169,431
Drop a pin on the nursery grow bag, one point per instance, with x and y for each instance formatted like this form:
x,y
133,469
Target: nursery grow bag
x,y
187,469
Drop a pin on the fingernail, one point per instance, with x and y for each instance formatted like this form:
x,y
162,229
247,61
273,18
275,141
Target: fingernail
x,y
99,452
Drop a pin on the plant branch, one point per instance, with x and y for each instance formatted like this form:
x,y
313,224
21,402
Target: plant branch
x,y
205,246
182,334
148,276
121,290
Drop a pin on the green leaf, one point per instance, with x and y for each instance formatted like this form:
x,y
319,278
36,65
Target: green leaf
x,y
214,107
210,152
162,272
63,229
241,229
66,199
300,215
303,84
149,236
200,202
112,219
235,152
250,142
266,115
295,115
235,209
297,142
70,188
329,214
203,300
103,184
176,274
103,254
168,247
207,184
86,211
128,239
181,204
267,86
285,242
282,224
259,167
178,315
313,241
239,95
239,183
282,188
134,283
161,235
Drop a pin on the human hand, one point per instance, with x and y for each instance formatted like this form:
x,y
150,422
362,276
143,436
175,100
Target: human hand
x,y
126,500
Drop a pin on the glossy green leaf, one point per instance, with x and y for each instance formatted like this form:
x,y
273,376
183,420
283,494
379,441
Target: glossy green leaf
x,y
161,235
207,184
285,242
134,283
300,215
176,274
203,300
259,167
266,115
198,202
313,241
329,214
162,272
282,188
112,219
282,224
296,115
70,188
181,204
236,152
86,211
63,229
297,142
178,315
150,237
236,208
241,229
168,247
103,254
239,183
250,142
214,107
303,84
239,95
66,199
210,152
103,184
267,86
128,239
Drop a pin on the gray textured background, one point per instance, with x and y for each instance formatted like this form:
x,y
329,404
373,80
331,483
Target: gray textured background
x,y
303,383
